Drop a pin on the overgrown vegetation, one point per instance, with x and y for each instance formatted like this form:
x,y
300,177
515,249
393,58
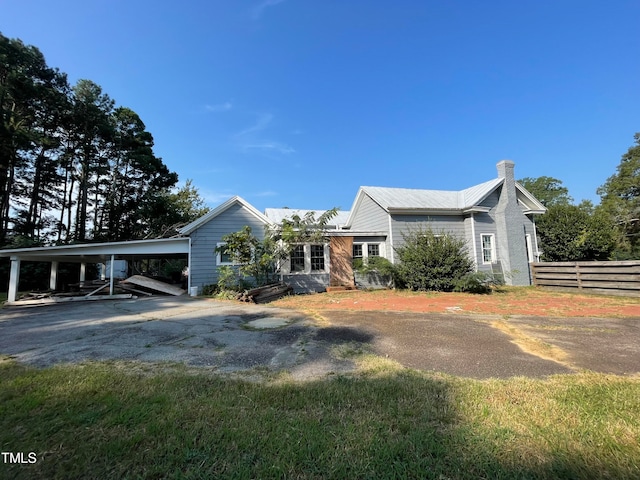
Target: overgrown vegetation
x,y
478,282
134,421
258,260
431,261
609,231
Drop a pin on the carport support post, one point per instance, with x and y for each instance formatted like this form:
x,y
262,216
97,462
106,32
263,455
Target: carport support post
x,y
53,278
14,279
113,257
83,272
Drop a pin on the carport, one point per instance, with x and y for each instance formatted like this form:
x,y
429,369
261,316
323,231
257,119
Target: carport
x,y
92,253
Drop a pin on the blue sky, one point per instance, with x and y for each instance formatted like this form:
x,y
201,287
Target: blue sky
x,y
299,102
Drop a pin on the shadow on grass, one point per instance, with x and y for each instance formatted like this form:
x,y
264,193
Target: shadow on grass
x,y
104,421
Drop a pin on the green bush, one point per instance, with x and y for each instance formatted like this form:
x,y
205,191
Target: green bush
x,y
477,282
209,290
430,261
377,265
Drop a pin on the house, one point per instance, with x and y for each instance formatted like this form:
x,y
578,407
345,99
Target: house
x,y
495,217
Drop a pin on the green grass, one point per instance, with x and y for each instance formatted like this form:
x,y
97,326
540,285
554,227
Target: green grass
x,y
129,421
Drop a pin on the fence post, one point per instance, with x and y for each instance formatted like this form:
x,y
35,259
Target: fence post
x,y
578,277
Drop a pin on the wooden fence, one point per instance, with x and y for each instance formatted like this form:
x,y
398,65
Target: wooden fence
x,y
608,278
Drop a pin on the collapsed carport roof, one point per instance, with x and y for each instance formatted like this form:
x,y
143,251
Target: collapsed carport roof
x,y
99,252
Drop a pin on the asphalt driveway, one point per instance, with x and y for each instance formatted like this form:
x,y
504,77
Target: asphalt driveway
x,y
228,337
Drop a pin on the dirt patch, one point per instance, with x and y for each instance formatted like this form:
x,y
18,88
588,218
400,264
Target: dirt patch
x,y
528,301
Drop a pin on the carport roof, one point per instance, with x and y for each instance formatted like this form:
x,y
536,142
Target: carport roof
x,y
97,252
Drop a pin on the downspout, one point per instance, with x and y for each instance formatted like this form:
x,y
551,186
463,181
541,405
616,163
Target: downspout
x,y
536,254
391,239
473,241
189,268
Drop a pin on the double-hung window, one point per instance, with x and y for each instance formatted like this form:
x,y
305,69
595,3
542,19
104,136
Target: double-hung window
x,y
297,259
357,253
362,251
488,248
317,258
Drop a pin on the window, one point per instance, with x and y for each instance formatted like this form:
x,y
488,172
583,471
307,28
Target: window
x,y
488,248
317,258
222,257
297,259
362,251
357,252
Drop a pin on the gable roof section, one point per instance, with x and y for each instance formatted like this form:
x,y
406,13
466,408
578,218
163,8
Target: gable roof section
x,y
276,215
190,228
410,200
528,201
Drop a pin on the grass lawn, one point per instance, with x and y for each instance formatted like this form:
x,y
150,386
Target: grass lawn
x,y
128,421
531,301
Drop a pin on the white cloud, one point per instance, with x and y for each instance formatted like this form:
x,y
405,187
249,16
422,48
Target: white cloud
x,y
263,121
258,10
270,146
222,107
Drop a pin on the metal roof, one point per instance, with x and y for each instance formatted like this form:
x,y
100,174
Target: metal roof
x,y
276,215
99,251
409,198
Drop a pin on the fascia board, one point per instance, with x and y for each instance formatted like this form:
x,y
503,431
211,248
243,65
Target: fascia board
x,y
190,228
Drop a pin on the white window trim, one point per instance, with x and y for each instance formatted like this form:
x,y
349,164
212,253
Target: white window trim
x,y
365,249
219,261
493,248
286,267
529,245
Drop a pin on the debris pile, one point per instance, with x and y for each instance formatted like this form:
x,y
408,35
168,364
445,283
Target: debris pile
x,y
265,294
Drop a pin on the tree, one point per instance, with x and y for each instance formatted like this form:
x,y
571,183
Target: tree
x,y
430,261
72,166
620,199
27,90
548,190
167,211
575,233
93,130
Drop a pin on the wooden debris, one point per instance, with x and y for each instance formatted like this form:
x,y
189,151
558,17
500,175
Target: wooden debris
x,y
53,300
128,288
101,287
154,285
265,294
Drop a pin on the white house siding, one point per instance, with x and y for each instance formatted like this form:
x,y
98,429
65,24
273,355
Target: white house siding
x,y
204,240
451,224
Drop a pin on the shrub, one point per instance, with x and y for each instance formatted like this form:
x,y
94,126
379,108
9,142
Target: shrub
x,y
430,261
477,282
376,265
227,279
209,290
